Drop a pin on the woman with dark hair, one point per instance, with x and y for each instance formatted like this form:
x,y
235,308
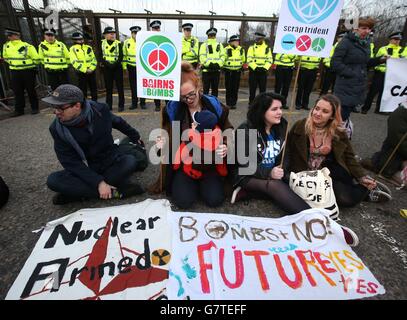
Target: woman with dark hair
x,y
268,127
320,141
185,188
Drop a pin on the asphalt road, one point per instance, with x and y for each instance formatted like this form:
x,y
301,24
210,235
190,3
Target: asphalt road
x,y
27,158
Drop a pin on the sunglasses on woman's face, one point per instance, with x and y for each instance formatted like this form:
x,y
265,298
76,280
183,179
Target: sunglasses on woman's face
x,y
189,97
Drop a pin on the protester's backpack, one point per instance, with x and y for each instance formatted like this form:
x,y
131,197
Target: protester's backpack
x,y
136,150
315,188
4,192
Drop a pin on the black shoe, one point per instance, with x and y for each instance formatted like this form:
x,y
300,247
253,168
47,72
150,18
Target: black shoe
x,y
61,199
36,111
17,114
305,108
143,106
133,107
131,189
298,108
120,110
285,107
157,108
233,107
364,112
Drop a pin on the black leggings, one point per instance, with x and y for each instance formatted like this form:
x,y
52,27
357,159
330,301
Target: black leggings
x,y
279,192
185,190
347,193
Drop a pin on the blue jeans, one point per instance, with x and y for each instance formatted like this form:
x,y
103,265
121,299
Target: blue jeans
x,y
116,175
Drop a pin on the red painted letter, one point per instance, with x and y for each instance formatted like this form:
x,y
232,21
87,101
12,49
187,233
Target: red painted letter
x,y
238,267
204,266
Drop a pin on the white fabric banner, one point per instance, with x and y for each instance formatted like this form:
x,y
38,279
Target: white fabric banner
x,y
303,256
395,85
307,27
110,253
158,58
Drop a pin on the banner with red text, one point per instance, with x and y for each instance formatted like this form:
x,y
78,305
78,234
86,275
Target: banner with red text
x,y
303,256
119,252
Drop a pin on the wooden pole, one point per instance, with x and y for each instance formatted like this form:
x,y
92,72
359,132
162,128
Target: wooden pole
x,y
290,110
392,154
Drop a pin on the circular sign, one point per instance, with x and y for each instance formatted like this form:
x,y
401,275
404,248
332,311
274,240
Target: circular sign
x,y
158,55
160,257
216,229
318,44
303,43
312,11
288,42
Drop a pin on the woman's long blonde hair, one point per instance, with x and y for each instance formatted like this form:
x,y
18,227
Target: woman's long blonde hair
x,y
334,125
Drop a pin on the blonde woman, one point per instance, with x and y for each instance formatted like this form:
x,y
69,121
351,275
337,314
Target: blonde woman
x,y
320,141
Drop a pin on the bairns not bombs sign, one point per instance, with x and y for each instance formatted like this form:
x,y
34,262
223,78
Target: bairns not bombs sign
x,y
303,256
111,253
307,27
158,58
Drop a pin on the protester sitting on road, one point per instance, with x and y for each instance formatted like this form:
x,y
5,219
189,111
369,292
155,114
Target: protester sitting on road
x,y
205,137
4,193
396,169
319,141
184,189
83,143
265,116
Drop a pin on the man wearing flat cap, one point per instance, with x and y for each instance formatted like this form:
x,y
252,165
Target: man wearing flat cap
x,y
54,56
129,52
190,45
22,59
259,59
84,63
235,58
93,165
112,59
212,59
392,50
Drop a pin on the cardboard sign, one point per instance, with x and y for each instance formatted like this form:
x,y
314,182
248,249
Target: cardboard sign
x,y
395,85
158,58
307,27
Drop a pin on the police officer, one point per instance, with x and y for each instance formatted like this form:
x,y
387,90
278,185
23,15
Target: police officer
x,y
112,58
190,45
285,64
372,47
22,59
129,52
156,26
393,50
54,56
212,59
234,61
259,59
308,74
84,62
329,76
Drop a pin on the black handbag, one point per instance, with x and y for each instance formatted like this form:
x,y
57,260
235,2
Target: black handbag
x,y
135,149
